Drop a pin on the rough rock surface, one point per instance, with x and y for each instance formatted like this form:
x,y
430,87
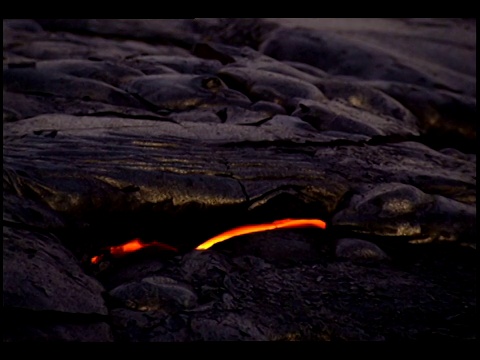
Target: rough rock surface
x,y
176,130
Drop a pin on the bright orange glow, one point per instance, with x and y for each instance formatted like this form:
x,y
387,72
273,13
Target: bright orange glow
x,y
248,229
96,259
131,246
136,244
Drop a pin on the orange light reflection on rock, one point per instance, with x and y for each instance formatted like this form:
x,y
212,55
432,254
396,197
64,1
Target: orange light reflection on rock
x,y
248,229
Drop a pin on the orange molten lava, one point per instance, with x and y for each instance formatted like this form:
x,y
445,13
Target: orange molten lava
x,y
248,229
136,244
131,246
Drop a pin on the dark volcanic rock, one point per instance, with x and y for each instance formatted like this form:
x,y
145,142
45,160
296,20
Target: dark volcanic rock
x,y
447,118
359,250
173,131
157,64
403,210
104,71
48,270
154,293
339,55
52,83
46,294
184,91
263,85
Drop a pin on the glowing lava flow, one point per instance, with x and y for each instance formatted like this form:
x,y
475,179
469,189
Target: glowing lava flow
x,y
136,244
248,229
131,246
